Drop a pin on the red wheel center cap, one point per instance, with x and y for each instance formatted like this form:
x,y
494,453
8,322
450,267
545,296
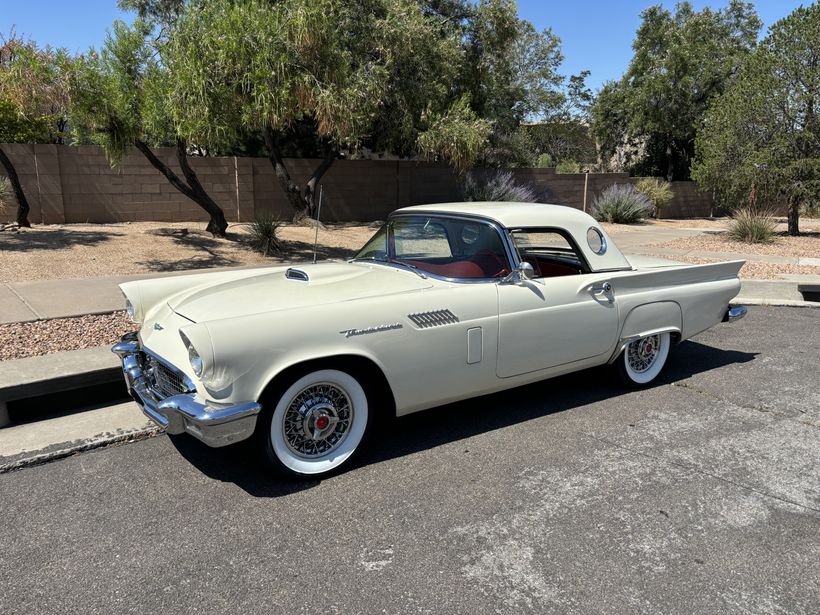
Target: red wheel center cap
x,y
322,422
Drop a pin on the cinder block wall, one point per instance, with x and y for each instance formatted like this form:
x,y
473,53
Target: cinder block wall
x,y
77,184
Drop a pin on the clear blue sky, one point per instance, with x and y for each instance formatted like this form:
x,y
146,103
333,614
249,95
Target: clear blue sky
x,y
596,34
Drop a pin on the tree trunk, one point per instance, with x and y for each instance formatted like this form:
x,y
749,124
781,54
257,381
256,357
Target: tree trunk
x,y
193,189
22,202
669,166
292,191
794,216
310,187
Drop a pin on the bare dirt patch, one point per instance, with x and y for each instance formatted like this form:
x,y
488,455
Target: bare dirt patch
x,y
47,252
29,339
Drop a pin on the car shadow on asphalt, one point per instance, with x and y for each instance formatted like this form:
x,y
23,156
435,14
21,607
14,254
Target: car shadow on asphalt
x,y
424,430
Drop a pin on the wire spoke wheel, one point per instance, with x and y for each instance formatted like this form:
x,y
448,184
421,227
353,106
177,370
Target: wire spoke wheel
x,y
643,359
317,423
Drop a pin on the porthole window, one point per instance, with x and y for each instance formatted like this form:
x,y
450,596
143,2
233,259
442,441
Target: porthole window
x,y
596,241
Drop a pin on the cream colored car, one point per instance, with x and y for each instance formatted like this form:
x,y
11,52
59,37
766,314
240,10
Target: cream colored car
x,y
445,302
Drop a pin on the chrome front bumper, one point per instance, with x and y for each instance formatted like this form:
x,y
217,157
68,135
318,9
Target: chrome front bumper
x,y
214,424
734,313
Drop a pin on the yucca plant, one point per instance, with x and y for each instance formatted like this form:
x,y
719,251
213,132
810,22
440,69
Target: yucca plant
x,y
658,191
753,226
621,204
263,234
499,187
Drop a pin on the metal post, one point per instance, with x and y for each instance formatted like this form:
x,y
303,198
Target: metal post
x,y
586,179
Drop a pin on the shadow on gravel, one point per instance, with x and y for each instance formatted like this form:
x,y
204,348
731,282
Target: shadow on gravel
x,y
431,428
28,240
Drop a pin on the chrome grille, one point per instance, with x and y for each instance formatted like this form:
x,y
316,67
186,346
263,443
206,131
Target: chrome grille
x,y
163,380
433,319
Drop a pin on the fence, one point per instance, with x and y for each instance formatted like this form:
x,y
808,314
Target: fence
x,y
77,184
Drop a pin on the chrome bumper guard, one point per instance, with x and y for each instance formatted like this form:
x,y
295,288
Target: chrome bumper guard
x,y
215,424
734,313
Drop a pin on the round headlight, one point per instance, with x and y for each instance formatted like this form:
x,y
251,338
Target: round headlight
x,y
196,361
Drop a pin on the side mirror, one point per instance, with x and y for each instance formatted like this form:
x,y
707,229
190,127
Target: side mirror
x,y
523,272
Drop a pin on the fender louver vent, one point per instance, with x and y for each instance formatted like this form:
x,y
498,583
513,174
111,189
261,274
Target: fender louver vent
x,y
297,274
436,318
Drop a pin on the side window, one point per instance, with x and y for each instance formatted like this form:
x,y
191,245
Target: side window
x,y
549,252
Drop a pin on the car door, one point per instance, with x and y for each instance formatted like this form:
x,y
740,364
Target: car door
x,y
550,321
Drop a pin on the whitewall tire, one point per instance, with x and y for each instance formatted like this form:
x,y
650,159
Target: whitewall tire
x,y
317,424
643,359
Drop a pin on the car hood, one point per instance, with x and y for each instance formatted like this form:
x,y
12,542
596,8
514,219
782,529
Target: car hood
x,y
276,289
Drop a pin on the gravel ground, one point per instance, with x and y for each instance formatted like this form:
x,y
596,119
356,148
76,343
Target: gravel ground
x,y
47,252
807,245
751,270
28,339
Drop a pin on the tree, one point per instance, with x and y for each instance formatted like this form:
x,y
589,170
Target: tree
x,y
367,72
120,99
762,136
681,61
34,103
511,75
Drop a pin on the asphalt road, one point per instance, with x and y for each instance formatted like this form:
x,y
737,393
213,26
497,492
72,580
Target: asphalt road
x,y
701,494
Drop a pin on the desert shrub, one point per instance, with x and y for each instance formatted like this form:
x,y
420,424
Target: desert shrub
x,y
500,186
568,166
263,234
544,161
5,195
658,191
752,226
622,204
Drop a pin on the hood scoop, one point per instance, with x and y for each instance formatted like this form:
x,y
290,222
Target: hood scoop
x,y
297,274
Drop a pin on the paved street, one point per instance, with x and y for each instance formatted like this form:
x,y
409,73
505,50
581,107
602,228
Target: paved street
x,y
701,494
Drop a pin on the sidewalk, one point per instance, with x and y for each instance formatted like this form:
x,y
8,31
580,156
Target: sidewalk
x,y
27,301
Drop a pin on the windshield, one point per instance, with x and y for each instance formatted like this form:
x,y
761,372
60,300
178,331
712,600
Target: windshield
x,y
447,247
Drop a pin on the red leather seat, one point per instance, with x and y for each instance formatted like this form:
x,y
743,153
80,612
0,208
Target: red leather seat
x,y
457,269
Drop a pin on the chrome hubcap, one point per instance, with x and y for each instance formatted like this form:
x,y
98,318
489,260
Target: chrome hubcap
x,y
317,420
641,354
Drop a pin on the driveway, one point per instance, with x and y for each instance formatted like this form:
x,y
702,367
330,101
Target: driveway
x,y
701,494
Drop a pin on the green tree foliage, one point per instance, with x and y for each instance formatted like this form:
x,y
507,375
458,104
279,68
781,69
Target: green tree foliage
x,y
681,60
121,99
34,102
760,140
374,73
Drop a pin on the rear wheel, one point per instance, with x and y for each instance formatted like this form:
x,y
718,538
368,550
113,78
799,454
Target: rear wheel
x,y
316,425
643,359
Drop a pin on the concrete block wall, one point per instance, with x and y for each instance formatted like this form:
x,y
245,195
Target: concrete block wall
x,y
77,184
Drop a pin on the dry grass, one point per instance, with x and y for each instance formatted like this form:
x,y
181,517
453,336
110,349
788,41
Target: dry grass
x,y
92,250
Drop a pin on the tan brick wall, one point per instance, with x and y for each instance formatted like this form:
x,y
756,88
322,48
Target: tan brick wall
x,y
77,184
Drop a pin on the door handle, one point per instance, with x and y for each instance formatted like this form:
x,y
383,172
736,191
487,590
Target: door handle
x,y
603,289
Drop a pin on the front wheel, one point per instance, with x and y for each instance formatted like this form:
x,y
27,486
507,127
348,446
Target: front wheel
x,y
317,424
643,359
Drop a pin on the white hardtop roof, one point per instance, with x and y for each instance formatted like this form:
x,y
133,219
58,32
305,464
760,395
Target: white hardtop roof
x,y
511,215
535,215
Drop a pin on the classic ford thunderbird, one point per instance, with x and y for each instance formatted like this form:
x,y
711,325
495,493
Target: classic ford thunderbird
x,y
445,302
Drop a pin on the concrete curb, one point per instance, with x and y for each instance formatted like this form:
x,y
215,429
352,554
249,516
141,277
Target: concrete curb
x,y
60,451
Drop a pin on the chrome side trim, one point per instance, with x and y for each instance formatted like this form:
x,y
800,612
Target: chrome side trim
x,y
436,318
734,313
213,423
297,274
